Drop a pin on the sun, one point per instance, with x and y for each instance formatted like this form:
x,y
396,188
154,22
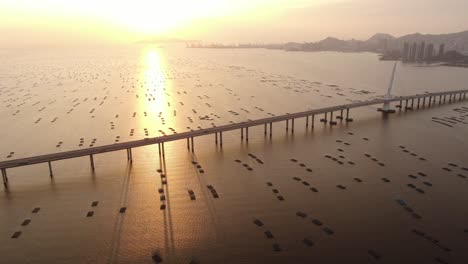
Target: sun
x,y
122,21
138,16
158,16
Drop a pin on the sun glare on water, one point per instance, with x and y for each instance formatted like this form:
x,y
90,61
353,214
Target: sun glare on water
x,y
156,89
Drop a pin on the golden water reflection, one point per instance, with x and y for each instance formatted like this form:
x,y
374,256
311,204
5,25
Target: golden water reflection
x,y
155,93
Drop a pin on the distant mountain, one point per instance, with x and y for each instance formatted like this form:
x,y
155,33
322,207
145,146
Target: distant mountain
x,y
388,45
380,37
382,42
330,44
333,43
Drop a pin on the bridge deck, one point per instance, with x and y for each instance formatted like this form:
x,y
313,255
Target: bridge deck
x,y
206,131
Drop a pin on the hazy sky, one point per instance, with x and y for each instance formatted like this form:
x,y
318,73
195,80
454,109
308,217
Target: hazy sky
x,y
45,22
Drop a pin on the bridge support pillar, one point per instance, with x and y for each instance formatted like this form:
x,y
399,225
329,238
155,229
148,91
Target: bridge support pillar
x,y
193,146
307,121
265,132
271,130
129,155
91,159
312,121
430,100
440,99
221,139
188,143
5,177
386,109
51,174
348,119
162,150
247,134
324,119
340,117
419,99
287,125
242,133
412,103
216,138
159,149
407,107
332,123
292,126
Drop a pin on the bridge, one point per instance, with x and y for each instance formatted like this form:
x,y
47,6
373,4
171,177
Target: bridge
x,y
418,100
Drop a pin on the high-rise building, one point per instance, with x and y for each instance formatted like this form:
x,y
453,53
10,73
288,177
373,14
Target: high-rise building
x,y
405,53
441,50
383,44
429,52
420,56
412,53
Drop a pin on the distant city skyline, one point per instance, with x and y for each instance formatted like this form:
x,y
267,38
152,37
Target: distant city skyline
x,y
53,22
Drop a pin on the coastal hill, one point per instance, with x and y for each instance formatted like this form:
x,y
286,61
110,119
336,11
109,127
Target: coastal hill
x,y
379,36
454,46
381,42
